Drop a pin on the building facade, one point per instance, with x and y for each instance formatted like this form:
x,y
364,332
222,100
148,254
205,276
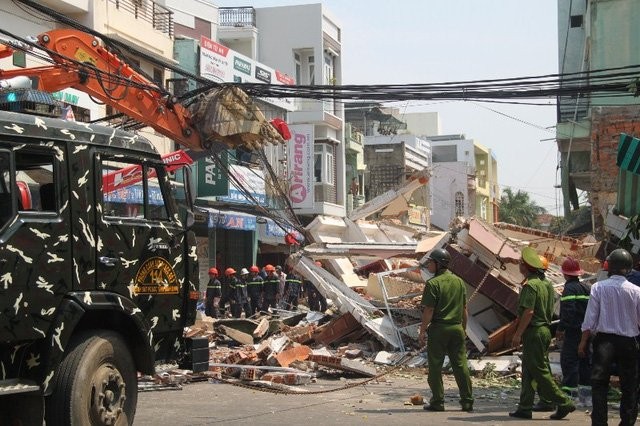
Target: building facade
x,y
592,36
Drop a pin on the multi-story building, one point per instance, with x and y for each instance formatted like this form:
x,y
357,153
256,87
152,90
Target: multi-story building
x,y
303,42
597,38
464,180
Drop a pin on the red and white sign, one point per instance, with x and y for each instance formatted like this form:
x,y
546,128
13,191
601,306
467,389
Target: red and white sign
x,y
133,174
300,162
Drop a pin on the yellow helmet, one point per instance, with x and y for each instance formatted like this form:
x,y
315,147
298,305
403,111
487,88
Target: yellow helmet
x,y
545,262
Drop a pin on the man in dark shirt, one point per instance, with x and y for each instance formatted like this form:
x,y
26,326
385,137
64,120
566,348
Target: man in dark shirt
x,y
214,292
254,288
292,287
573,305
235,292
270,287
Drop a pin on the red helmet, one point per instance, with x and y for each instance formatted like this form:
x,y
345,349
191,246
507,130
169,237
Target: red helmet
x,y
571,267
229,271
269,268
213,271
318,263
254,269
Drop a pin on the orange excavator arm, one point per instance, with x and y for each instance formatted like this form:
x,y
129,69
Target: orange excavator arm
x,y
84,64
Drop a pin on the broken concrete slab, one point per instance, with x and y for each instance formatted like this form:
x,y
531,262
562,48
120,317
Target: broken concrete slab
x,y
344,364
290,379
237,335
502,365
262,328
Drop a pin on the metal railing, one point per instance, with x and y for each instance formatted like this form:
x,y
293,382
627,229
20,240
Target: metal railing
x,y
158,16
237,16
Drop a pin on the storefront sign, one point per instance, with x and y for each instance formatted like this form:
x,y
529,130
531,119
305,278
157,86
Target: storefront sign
x,y
300,163
232,220
212,180
221,64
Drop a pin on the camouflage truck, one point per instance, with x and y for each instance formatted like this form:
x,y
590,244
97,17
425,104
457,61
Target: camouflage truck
x,y
98,270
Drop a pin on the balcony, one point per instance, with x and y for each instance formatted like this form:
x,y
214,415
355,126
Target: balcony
x,y
160,18
239,17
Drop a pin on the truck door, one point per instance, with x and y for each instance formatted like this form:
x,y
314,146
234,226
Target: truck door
x,y
35,248
140,243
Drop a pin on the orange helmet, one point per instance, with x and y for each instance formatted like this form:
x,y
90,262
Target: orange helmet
x,y
229,271
254,269
545,262
213,271
269,268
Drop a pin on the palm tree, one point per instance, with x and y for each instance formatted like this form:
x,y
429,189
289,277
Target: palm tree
x,y
518,208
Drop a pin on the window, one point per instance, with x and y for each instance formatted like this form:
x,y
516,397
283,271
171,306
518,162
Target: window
x,y
324,163
158,76
576,21
459,204
126,194
298,62
312,70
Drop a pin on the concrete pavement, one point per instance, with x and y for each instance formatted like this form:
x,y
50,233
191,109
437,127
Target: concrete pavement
x,y
374,404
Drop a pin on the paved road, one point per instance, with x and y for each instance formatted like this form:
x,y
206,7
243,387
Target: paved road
x,y
374,404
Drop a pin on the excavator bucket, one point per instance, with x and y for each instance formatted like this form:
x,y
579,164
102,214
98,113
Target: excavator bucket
x,y
227,115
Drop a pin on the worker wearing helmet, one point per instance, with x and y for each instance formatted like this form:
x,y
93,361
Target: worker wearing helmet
x,y
242,282
292,290
270,287
235,292
280,301
254,288
444,319
535,309
613,315
213,295
576,372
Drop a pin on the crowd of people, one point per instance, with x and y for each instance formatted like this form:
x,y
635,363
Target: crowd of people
x,y
598,329
254,290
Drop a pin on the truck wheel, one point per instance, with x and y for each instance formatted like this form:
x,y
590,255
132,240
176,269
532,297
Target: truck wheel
x,y
96,383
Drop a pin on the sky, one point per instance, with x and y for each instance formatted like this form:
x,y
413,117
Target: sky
x,y
436,41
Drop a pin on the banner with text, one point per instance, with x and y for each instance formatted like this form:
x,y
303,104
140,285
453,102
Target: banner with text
x,y
252,180
221,64
212,180
300,165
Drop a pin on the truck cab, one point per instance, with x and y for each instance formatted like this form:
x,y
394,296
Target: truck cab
x,y
98,270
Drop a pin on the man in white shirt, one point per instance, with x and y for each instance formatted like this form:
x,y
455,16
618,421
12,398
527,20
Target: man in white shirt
x,y
613,315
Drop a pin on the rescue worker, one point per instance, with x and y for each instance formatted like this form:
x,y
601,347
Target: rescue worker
x,y
244,276
535,309
543,405
254,288
613,315
292,288
213,295
270,288
316,301
444,319
573,305
235,292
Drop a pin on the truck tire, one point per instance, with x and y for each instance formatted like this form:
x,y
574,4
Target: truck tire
x,y
96,383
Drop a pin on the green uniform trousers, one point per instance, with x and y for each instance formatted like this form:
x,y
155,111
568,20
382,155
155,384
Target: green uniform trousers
x,y
535,370
443,339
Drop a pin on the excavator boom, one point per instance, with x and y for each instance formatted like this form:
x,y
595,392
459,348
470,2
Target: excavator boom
x,y
83,63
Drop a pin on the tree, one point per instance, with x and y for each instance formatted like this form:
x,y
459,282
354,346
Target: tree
x,y
518,208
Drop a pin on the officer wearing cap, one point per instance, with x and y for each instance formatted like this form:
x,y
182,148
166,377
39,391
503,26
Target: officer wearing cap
x,y
444,319
613,315
535,309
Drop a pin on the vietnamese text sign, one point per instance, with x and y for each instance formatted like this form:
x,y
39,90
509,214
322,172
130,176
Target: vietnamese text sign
x,y
252,180
212,180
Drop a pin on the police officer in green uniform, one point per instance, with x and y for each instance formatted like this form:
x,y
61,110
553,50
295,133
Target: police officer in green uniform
x,y
535,308
445,318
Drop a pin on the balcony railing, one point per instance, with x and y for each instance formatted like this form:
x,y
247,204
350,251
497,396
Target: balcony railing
x,y
237,17
158,16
